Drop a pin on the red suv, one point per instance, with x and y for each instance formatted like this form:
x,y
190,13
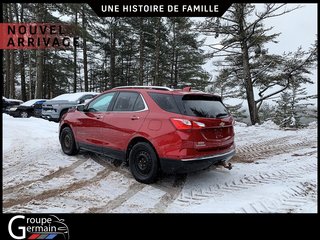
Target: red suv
x,y
152,128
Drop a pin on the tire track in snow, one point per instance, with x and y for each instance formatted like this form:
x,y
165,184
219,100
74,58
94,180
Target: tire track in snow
x,y
198,195
60,172
54,192
115,165
252,152
172,193
289,201
118,201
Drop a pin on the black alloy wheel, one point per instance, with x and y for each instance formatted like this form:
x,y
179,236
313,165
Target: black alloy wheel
x,y
67,142
143,162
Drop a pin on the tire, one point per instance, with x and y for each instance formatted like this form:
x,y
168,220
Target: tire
x,y
143,163
67,141
24,114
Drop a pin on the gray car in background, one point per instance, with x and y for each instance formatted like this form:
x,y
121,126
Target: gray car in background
x,y
54,109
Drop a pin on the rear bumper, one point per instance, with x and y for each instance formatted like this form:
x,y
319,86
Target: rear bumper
x,y
194,164
50,114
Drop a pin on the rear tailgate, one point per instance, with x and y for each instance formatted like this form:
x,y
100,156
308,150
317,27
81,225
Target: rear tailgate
x,y
212,123
216,135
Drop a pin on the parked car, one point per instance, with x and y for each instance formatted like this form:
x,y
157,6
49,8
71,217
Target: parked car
x,y
9,103
153,128
55,108
31,108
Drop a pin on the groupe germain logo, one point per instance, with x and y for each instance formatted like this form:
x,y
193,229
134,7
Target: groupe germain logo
x,y
25,227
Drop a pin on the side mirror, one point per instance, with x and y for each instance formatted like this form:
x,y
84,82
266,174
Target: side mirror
x,y
81,107
80,101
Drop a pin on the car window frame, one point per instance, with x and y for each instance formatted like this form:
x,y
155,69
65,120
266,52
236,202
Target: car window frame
x,y
139,94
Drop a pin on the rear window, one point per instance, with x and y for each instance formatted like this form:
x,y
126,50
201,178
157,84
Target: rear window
x,y
201,106
191,105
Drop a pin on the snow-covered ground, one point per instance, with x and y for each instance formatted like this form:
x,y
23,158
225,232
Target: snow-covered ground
x,y
273,171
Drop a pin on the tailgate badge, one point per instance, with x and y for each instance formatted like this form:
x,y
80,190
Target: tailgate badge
x,y
222,124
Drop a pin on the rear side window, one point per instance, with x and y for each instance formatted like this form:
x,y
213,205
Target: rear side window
x,y
201,106
165,101
139,105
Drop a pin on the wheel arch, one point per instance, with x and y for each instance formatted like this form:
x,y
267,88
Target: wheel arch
x,y
63,126
62,112
135,140
74,134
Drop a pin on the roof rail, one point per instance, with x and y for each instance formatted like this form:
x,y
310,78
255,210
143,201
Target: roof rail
x,y
146,87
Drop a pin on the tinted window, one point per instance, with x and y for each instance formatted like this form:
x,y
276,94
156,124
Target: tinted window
x,y
38,105
139,105
125,101
201,106
101,103
165,101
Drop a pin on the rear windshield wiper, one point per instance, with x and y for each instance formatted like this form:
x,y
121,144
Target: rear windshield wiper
x,y
221,115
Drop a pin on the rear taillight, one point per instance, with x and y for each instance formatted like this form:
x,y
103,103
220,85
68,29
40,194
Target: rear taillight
x,y
181,124
184,124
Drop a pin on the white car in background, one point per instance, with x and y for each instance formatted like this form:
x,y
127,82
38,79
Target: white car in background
x,y
54,109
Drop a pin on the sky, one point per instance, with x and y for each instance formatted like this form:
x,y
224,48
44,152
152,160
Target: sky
x,y
297,28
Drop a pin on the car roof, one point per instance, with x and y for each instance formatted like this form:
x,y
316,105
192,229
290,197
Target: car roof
x,y
164,90
73,96
11,100
32,101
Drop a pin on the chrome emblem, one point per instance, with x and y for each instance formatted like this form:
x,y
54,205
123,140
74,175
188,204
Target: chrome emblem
x,y
222,124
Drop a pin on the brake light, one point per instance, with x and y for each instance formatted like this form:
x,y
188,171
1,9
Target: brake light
x,y
181,123
184,124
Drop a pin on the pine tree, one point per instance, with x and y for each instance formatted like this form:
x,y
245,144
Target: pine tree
x,y
243,37
283,111
292,107
186,55
267,112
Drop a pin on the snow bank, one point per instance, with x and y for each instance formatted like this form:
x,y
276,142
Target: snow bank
x,y
269,125
240,124
313,125
31,149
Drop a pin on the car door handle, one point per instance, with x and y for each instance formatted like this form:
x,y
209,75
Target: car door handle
x,y
135,118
